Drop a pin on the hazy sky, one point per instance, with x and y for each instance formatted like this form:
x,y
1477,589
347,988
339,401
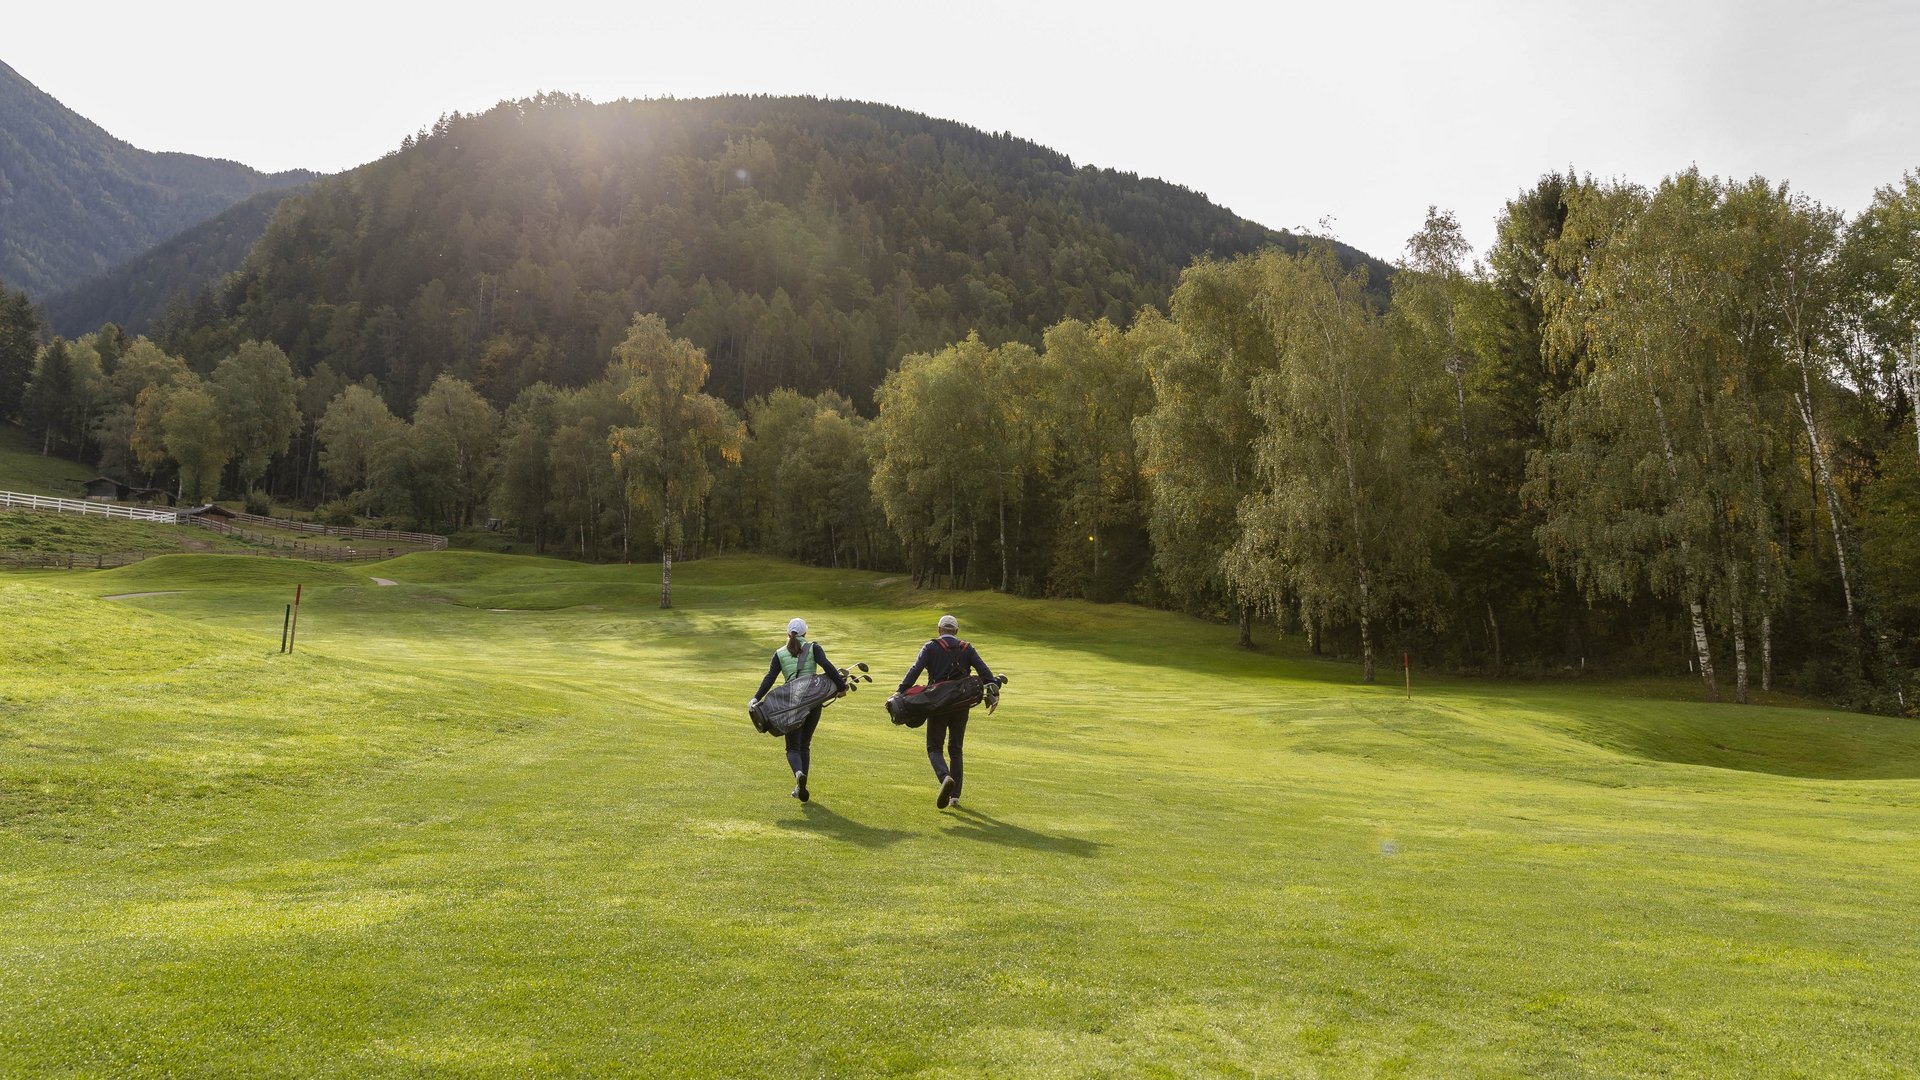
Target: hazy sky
x,y
1288,113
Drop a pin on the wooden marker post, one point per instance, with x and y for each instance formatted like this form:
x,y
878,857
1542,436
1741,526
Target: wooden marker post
x,y
293,630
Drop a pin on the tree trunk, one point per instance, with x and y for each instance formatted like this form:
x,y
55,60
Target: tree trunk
x,y
1826,484
1766,652
1913,389
1246,626
1366,639
666,577
1693,587
1739,655
1493,635
1700,647
1003,541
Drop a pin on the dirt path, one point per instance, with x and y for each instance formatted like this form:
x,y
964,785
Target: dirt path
x,y
384,581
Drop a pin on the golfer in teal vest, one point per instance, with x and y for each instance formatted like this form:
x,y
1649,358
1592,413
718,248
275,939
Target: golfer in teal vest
x,y
796,658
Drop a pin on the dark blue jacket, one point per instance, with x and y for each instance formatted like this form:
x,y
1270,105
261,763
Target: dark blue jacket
x,y
941,664
819,656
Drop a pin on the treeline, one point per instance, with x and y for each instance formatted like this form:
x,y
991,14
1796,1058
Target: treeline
x,y
803,244
1656,427
1655,430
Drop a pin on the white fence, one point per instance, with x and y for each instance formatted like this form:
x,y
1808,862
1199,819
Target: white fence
x,y
86,506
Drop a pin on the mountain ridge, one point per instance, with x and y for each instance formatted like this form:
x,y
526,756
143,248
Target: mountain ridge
x,y
76,200
803,242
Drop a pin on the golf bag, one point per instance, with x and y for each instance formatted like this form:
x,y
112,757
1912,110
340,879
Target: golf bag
x,y
921,703
786,707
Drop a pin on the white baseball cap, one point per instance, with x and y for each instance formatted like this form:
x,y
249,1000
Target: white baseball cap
x,y
797,626
948,622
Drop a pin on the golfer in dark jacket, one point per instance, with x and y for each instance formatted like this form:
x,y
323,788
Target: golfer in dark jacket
x,y
946,657
796,658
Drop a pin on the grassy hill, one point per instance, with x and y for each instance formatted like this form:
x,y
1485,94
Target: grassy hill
x,y
507,817
22,468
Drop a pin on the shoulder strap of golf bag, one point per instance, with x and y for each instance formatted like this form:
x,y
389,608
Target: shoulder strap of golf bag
x,y
953,660
795,666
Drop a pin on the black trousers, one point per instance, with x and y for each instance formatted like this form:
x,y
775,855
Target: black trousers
x,y
952,730
800,743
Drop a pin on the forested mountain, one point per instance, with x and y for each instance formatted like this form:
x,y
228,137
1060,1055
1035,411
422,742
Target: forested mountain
x,y
803,243
75,201
138,292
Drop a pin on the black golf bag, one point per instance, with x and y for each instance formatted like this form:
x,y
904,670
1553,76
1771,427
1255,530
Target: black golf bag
x,y
921,703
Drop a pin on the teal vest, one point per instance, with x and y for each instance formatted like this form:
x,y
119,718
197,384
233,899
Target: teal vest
x,y
795,666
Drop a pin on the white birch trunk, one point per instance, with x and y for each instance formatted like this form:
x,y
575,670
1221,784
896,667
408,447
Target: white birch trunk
x,y
1766,652
1739,645
1700,643
1825,475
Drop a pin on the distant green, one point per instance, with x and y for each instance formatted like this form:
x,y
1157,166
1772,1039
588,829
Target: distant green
x,y
507,817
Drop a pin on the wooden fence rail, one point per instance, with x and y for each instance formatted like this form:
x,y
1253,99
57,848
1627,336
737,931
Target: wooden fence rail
x,y
295,549
87,507
431,540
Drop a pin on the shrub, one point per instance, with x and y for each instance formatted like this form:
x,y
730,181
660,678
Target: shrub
x,y
257,502
337,512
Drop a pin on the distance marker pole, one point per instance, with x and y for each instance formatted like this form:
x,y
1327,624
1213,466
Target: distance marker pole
x,y
285,622
294,630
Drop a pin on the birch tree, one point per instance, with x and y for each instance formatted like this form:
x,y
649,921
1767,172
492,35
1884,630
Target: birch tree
x,y
1654,471
679,435
1884,248
1197,443
1338,520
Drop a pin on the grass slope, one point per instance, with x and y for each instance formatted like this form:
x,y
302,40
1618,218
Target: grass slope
x,y
506,817
22,468
47,531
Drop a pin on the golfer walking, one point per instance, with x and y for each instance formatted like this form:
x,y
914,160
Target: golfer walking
x,y
796,658
945,658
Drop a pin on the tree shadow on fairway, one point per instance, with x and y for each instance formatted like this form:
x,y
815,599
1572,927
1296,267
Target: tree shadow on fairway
x,y
974,825
821,820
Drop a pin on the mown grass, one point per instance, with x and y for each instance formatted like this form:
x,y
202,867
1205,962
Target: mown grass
x,y
506,818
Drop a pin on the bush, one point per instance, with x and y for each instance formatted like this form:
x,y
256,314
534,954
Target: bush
x,y
337,512
257,502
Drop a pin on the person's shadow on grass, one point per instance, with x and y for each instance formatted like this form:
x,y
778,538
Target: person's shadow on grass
x,y
819,819
974,825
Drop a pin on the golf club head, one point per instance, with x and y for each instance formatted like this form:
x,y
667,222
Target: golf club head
x,y
861,665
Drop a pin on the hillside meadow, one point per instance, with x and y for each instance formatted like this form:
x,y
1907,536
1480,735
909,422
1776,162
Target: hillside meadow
x,y
507,817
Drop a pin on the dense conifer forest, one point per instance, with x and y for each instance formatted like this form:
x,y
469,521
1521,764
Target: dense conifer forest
x,y
803,243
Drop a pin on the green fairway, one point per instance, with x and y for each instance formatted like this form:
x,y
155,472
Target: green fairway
x,y
508,817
